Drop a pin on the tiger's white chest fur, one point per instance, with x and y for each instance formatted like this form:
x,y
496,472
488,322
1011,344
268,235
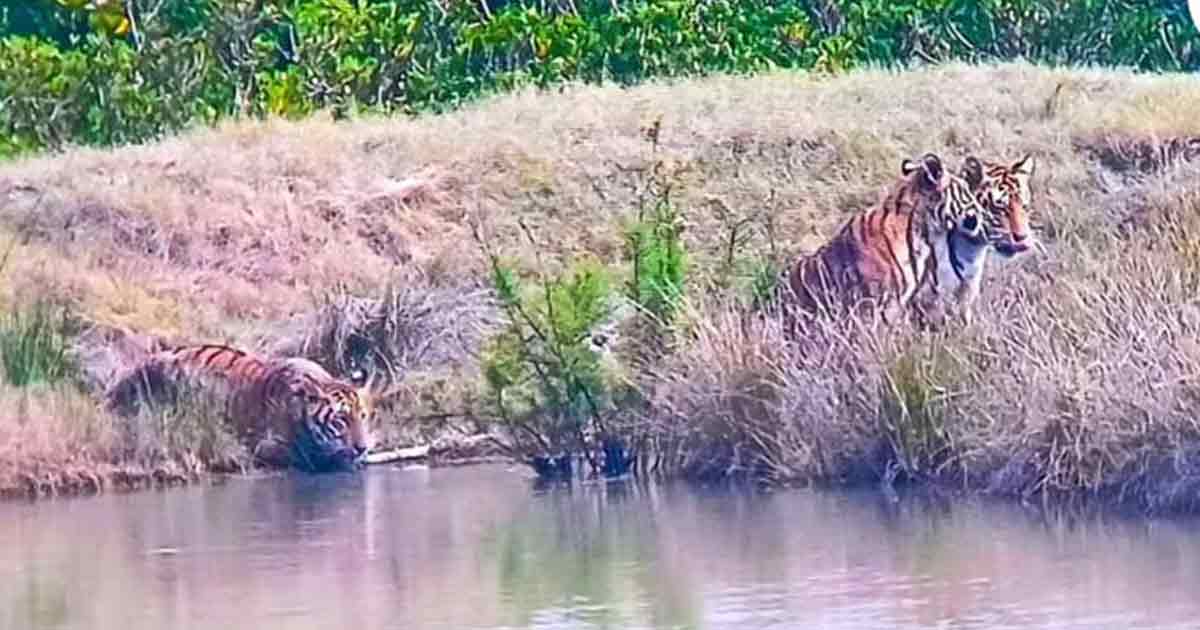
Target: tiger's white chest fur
x,y
961,260
955,281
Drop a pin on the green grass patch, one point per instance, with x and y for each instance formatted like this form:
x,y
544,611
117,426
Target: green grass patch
x,y
34,345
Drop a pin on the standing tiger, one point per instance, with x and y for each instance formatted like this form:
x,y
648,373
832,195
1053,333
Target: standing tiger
x,y
289,411
1004,197
880,258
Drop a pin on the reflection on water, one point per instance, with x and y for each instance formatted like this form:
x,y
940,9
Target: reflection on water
x,y
483,548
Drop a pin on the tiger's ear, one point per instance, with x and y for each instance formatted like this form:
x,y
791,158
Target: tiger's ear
x,y
1024,166
972,172
931,167
365,385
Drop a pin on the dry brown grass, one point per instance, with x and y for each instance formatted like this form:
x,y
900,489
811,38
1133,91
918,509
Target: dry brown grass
x,y
1083,379
56,440
1080,375
207,231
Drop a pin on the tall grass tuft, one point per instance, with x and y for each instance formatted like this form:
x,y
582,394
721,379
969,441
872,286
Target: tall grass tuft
x,y
34,343
189,434
913,417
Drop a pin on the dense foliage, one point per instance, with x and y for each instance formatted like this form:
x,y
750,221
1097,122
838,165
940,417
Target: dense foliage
x,y
116,71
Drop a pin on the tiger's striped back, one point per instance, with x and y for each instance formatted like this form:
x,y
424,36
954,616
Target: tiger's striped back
x,y
291,411
881,257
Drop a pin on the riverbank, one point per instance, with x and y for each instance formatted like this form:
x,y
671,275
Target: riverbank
x,y
296,237
56,441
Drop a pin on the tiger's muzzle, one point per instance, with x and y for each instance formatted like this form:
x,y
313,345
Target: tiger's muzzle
x,y
1013,245
317,449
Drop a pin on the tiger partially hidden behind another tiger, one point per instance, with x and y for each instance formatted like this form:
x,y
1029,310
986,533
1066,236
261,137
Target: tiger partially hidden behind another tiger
x,y
882,257
1005,199
928,236
289,411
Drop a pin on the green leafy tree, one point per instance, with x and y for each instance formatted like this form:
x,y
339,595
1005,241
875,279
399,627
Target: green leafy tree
x,y
545,378
291,57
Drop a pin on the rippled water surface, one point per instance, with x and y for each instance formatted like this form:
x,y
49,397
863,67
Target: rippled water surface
x,y
480,547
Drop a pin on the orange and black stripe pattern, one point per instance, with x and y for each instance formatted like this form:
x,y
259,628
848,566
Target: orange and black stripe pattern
x,y
880,257
292,410
1004,194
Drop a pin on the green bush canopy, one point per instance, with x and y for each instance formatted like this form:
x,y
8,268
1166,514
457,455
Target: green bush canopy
x,y
109,72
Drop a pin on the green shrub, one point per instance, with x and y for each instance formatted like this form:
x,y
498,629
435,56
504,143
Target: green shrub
x,y
348,55
71,74
103,92
655,251
544,379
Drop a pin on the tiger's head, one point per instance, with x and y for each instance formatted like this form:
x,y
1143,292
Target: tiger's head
x,y
1006,199
949,199
962,214
337,420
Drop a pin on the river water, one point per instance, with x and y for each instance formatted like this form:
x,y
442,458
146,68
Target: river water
x,y
481,547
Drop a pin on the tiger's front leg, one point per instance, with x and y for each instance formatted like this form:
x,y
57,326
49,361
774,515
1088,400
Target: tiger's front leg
x,y
965,296
273,450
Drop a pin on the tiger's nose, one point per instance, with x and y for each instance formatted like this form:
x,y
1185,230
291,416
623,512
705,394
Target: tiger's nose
x,y
359,450
1020,242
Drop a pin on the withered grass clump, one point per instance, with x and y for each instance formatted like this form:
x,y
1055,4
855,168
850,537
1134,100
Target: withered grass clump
x,y
411,326
1081,373
56,440
420,342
